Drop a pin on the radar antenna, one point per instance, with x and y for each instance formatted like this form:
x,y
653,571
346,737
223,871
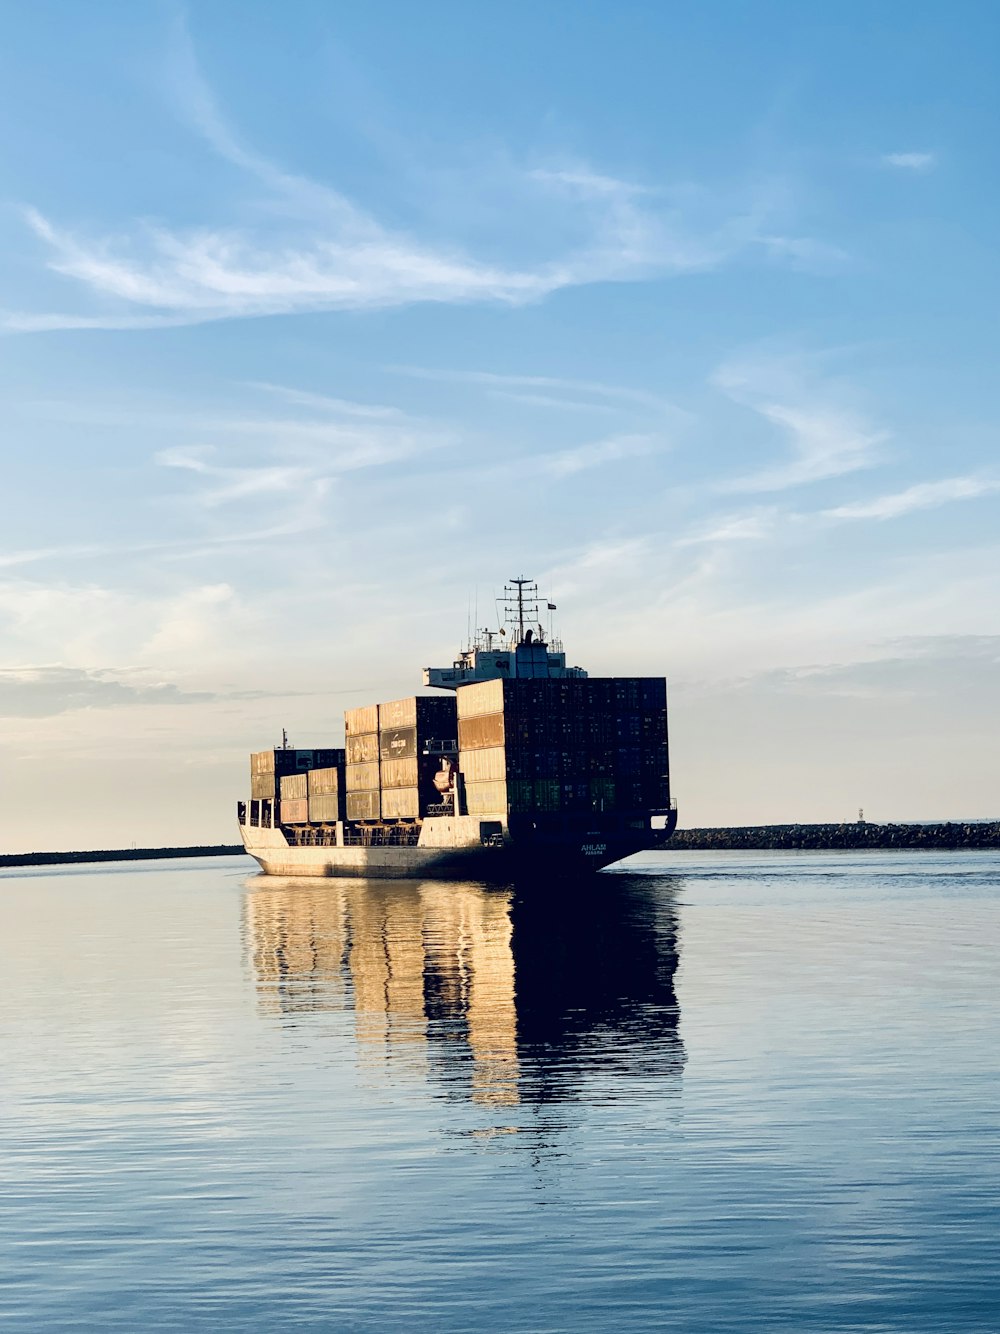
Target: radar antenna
x,y
521,603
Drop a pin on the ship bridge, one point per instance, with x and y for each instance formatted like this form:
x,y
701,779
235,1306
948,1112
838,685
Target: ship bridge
x,y
521,647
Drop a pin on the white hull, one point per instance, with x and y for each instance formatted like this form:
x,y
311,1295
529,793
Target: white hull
x,y
447,848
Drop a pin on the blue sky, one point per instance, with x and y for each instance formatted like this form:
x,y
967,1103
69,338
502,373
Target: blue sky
x,y
317,323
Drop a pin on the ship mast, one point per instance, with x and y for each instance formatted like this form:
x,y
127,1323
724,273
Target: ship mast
x,y
521,650
517,605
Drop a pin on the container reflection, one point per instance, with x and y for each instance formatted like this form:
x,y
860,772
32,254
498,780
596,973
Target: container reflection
x,y
504,995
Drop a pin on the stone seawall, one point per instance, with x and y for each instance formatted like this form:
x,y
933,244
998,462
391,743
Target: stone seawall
x,y
867,835
117,855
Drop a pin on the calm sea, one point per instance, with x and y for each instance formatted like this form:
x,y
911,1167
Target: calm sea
x,y
731,1092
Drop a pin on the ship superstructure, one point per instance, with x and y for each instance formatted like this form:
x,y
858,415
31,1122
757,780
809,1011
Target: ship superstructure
x,y
519,649
522,763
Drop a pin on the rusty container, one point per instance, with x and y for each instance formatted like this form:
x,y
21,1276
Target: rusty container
x,y
363,748
363,719
399,773
364,805
362,777
398,713
483,766
326,807
294,786
262,786
486,798
480,697
481,732
295,810
323,782
400,803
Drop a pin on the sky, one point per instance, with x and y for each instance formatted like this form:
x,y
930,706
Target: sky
x,y
320,322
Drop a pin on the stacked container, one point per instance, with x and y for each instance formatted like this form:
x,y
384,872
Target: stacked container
x,y
361,770
268,766
415,734
294,798
564,744
326,795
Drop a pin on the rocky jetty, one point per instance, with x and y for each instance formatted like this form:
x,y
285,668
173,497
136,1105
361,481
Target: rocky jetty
x,y
980,834
117,855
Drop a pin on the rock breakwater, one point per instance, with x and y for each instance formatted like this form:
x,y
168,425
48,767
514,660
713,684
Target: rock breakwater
x,y
979,834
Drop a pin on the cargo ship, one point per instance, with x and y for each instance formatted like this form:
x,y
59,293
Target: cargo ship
x,y
521,765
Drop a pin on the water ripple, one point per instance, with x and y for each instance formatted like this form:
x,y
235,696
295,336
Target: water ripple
x,y
713,1092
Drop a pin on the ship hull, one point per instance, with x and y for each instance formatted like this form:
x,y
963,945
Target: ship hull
x,y
555,851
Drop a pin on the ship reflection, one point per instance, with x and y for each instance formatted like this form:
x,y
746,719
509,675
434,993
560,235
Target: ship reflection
x,y
505,995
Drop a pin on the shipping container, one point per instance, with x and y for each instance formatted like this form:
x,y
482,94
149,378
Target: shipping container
x,y
288,761
361,777
399,773
397,743
326,807
295,811
603,794
262,787
362,749
486,798
654,693
324,781
483,766
294,786
480,697
400,803
432,715
548,795
628,761
363,805
363,719
481,732
398,713
567,744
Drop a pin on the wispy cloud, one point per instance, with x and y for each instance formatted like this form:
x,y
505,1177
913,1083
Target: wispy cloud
x,y
236,483
599,453
925,495
316,250
251,537
590,570
278,470
827,437
220,273
580,391
326,403
297,458
551,401
910,161
753,527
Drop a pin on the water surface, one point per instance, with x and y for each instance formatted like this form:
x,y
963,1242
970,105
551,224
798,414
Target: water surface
x,y
722,1091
